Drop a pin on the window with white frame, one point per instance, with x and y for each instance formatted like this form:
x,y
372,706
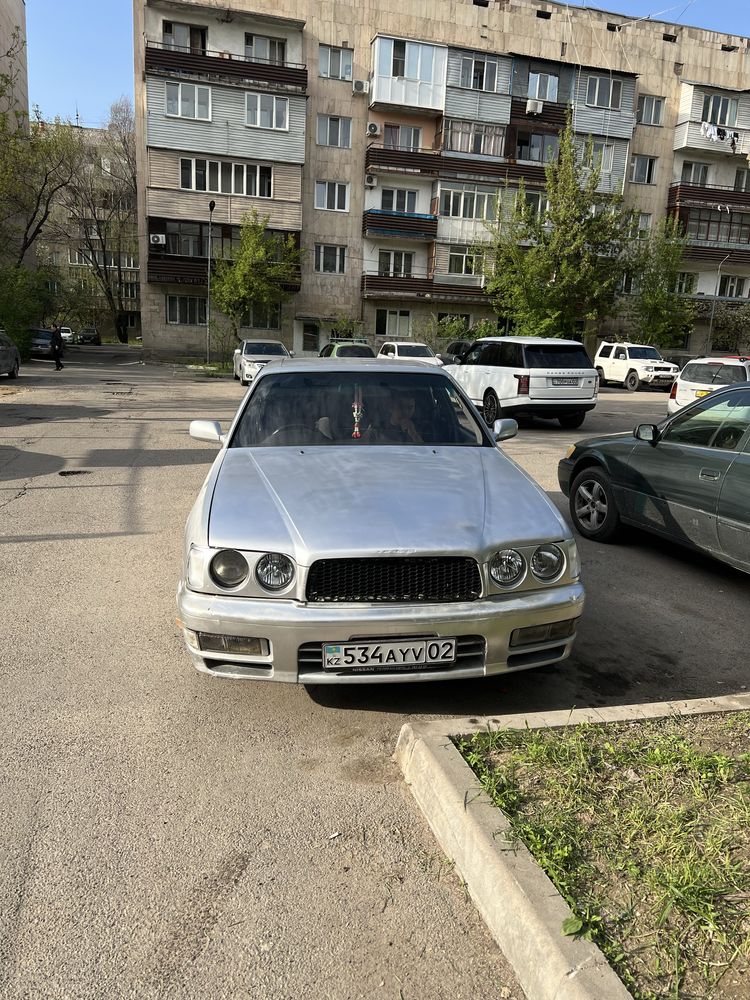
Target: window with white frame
x,y
398,200
402,137
262,317
650,109
395,263
261,48
463,260
543,86
731,286
77,257
409,60
474,137
335,63
694,173
686,282
332,196
644,225
186,310
334,131
394,324
604,92
468,201
479,73
222,177
719,110
330,259
267,111
602,154
741,179
129,289
188,100
643,169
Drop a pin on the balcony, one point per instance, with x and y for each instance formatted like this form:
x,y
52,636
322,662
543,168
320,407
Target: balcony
x,y
224,64
434,163
552,113
687,135
180,269
443,288
706,196
399,225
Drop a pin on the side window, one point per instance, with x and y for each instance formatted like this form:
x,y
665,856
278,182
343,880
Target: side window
x,y
472,356
718,422
620,354
605,351
389,349
490,356
507,356
326,352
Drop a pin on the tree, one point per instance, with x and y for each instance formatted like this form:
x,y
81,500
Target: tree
x,y
259,276
662,316
731,328
549,271
346,327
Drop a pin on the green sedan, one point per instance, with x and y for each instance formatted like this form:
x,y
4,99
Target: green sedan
x,y
686,479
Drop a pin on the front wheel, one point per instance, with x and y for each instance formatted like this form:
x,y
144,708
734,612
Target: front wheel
x,y
491,407
593,507
13,373
571,421
632,382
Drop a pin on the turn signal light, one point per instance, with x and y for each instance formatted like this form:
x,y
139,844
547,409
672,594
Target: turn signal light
x,y
523,385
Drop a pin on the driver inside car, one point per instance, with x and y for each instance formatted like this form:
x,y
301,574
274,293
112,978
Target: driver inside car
x,y
398,426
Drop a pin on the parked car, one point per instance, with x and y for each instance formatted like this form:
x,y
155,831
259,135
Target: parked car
x,y
687,479
700,377
633,365
67,335
409,349
89,335
316,553
41,343
252,355
529,376
454,351
347,349
10,358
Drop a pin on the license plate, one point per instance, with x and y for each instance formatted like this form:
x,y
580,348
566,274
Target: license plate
x,y
405,655
701,392
564,381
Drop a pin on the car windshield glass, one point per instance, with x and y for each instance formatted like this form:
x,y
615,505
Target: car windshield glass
x,y
356,409
644,354
554,356
414,351
43,335
263,349
713,374
355,351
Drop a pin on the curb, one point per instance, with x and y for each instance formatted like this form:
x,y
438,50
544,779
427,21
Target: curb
x,y
519,904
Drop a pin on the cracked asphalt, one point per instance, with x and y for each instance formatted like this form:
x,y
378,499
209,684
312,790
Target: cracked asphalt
x,y
167,835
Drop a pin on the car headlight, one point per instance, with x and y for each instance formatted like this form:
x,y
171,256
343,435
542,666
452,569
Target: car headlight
x,y
228,568
274,571
547,562
570,451
507,567
649,368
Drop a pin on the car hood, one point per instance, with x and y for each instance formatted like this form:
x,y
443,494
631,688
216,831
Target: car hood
x,y
376,500
605,441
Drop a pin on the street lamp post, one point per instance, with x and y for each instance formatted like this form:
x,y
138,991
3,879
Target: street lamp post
x,y
211,207
713,304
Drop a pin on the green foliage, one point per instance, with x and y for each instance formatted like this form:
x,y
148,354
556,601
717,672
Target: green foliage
x,y
346,327
731,328
26,299
437,333
264,263
548,272
662,316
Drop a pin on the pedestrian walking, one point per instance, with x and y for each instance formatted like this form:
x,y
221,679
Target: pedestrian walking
x,y
57,347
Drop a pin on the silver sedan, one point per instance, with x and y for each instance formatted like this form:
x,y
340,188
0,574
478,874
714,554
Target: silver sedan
x,y
360,525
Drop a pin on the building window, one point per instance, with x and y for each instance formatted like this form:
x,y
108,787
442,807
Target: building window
x,y
602,154
332,196
463,260
604,92
260,48
402,137
186,100
263,317
398,200
650,110
394,324
642,169
719,227
220,177
742,179
644,225
336,64
395,264
719,110
129,289
479,74
330,259
77,257
183,37
186,310
694,173
310,337
406,60
267,111
543,86
468,201
686,282
334,131
537,146
731,286
188,239
474,137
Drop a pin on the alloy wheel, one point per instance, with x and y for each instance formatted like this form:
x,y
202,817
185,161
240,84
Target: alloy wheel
x,y
591,505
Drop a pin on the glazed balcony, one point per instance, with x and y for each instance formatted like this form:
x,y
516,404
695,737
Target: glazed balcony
x,y
437,163
377,223
706,196
197,62
180,269
420,285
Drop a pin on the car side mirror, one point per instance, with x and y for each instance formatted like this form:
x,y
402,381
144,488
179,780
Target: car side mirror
x,y
504,429
291,354
236,351
206,430
647,432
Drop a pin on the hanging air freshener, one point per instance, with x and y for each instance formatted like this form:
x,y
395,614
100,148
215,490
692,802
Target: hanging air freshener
x,y
357,411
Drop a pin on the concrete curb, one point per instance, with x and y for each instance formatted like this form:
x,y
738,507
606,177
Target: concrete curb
x,y
518,902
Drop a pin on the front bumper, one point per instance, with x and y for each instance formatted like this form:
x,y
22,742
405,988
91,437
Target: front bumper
x,y
296,631
657,378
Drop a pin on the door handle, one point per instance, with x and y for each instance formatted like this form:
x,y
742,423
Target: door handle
x,y
710,475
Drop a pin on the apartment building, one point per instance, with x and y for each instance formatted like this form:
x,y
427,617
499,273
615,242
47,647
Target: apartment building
x,y
13,40
384,138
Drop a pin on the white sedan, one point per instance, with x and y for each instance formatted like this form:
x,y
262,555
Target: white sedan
x,y
252,355
407,349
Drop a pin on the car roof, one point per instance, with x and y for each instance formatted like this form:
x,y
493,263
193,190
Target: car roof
x,y
354,364
625,343
349,343
261,340
546,341
407,343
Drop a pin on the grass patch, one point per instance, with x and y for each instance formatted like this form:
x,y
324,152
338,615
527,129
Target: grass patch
x,y
644,828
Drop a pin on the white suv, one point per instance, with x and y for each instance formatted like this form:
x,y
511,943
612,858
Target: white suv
x,y
528,376
253,355
409,349
633,364
703,375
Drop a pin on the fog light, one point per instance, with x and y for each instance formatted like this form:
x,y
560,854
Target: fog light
x,y
210,642
535,635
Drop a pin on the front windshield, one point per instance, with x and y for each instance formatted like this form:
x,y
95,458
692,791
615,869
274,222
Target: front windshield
x,y
414,351
262,349
355,351
644,354
355,409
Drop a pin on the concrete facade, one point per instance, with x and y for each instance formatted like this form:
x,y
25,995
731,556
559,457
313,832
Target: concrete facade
x,y
453,95
12,19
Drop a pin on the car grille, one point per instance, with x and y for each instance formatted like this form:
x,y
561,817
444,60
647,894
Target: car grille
x,y
406,580
470,652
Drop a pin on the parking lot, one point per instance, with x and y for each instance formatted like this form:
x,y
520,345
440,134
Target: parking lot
x,y
225,839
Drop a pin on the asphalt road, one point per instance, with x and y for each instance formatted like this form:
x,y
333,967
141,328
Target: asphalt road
x,y
165,835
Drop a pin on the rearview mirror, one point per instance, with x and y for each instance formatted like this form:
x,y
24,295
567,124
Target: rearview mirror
x,y
206,430
504,429
647,432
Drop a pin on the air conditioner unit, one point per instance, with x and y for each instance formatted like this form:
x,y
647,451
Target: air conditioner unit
x,y
360,86
373,129
158,239
534,107
371,181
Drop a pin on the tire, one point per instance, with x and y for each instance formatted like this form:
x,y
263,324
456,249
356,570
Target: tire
x,y
632,383
235,376
593,508
243,382
13,373
602,379
571,421
491,407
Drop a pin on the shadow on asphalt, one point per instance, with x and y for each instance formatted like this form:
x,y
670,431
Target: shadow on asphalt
x,y
26,414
